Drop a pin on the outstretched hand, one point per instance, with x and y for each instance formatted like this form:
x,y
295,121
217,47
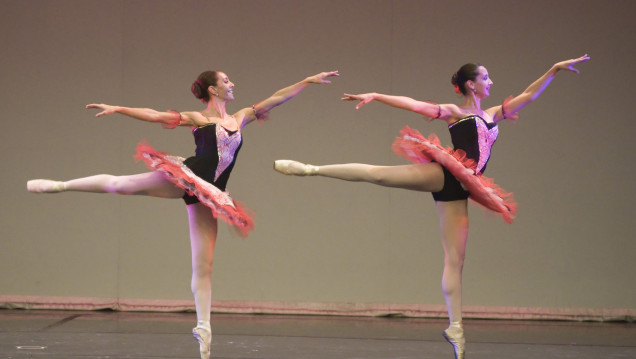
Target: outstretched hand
x,y
106,109
321,77
568,65
364,99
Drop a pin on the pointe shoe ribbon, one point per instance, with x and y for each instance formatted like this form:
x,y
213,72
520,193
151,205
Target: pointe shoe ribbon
x,y
295,168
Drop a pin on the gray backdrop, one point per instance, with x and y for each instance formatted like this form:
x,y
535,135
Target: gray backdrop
x,y
568,160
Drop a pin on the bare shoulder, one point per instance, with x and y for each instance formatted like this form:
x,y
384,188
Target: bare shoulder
x,y
193,118
244,116
453,109
242,113
452,113
493,110
494,113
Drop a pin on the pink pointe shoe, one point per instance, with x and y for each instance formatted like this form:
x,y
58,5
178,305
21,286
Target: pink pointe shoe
x,y
45,186
455,336
203,335
295,168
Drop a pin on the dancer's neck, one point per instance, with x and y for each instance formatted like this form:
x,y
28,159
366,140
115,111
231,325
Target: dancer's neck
x,y
216,108
472,104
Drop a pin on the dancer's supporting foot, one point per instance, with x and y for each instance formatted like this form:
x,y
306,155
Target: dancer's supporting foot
x,y
45,186
454,334
203,334
295,168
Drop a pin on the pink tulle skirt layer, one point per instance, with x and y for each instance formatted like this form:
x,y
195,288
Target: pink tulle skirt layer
x,y
483,190
220,202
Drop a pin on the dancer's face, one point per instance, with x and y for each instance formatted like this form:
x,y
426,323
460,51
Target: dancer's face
x,y
224,87
482,83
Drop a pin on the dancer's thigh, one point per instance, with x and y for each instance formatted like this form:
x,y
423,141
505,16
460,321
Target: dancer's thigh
x,y
153,184
426,177
453,217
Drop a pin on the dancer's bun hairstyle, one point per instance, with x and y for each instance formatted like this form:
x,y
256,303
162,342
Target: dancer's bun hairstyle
x,y
200,86
463,75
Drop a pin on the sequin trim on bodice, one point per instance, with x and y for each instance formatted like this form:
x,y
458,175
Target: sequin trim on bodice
x,y
226,145
486,137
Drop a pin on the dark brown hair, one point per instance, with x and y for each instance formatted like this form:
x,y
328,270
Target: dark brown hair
x,y
463,75
200,86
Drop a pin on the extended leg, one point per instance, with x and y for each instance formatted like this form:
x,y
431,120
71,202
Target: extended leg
x,y
203,229
427,177
454,226
147,184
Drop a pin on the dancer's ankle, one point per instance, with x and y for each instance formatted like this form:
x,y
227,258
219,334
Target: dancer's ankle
x,y
295,168
203,324
311,170
456,326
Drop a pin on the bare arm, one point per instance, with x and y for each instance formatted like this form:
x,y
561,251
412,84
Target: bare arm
x,y
281,96
535,89
168,119
428,109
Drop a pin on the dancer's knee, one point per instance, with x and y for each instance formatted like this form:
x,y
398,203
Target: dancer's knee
x,y
122,185
200,278
377,176
202,270
454,260
452,277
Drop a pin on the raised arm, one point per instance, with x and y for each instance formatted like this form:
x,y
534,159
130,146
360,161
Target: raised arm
x,y
262,109
428,109
168,119
533,91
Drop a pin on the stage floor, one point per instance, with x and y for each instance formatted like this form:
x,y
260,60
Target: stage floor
x,y
106,334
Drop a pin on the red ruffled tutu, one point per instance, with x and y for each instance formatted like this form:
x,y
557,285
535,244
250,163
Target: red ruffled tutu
x,y
483,190
220,202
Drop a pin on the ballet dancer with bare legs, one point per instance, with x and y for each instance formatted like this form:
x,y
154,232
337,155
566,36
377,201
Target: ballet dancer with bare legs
x,y
451,175
200,180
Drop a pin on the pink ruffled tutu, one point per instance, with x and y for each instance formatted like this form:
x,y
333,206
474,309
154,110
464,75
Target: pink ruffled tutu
x,y
220,202
483,190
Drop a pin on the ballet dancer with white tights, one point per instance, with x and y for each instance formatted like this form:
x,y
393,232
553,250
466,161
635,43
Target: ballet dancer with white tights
x,y
200,180
451,176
